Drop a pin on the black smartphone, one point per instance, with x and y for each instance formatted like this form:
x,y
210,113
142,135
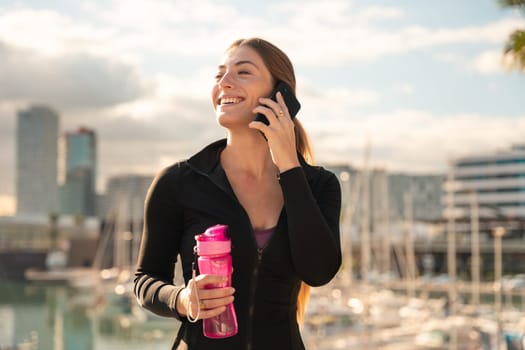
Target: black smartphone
x,y
289,99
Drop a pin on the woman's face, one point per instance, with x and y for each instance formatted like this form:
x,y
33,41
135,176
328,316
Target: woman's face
x,y
242,78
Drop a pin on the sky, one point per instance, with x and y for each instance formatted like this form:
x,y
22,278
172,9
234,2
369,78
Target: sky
x,y
416,83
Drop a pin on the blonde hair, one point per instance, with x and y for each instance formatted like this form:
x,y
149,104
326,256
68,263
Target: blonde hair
x,y
281,69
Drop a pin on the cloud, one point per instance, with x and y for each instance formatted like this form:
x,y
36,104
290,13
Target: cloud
x,y
379,13
71,80
412,139
130,29
361,37
486,63
50,33
491,62
346,97
405,88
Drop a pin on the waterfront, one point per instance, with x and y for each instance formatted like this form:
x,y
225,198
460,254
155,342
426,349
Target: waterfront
x,y
61,317
56,316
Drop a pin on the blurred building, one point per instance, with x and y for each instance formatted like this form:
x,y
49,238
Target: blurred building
x,y
26,241
424,191
388,193
123,217
493,184
36,161
78,173
125,196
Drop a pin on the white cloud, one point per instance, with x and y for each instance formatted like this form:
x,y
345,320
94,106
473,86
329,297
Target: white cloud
x,y
377,13
450,57
129,30
412,139
488,62
73,79
50,33
491,62
319,99
405,88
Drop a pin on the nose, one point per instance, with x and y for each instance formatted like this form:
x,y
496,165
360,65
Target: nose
x,y
225,81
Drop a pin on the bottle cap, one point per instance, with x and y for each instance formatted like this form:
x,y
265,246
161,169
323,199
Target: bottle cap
x,y
214,241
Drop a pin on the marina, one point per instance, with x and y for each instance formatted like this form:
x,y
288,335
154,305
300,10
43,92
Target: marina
x,y
57,315
395,290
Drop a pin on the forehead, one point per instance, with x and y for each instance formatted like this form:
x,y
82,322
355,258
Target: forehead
x,y
242,53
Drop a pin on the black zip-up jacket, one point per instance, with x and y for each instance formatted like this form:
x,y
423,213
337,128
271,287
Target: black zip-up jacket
x,y
192,195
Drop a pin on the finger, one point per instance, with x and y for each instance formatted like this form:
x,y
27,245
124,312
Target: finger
x,y
208,304
278,107
282,105
212,313
216,292
268,111
211,281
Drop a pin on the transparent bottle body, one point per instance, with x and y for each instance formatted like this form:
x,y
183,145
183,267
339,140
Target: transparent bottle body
x,y
225,324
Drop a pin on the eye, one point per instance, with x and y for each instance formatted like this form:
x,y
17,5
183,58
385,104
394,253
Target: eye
x,y
218,76
244,72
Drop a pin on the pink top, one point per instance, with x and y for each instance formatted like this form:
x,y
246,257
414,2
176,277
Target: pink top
x,y
262,236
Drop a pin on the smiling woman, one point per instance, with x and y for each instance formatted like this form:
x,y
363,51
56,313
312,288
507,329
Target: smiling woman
x,y
282,213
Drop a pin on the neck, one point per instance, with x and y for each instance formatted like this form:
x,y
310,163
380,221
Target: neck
x,y
248,153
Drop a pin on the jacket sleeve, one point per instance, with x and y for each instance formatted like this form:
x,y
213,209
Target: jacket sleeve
x,y
153,283
313,225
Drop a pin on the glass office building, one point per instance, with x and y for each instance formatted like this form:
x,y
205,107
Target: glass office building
x,y
79,171
36,161
494,183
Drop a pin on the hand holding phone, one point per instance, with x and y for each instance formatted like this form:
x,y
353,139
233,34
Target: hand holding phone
x,y
290,100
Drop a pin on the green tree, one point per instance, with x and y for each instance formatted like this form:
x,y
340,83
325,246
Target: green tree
x,y
514,48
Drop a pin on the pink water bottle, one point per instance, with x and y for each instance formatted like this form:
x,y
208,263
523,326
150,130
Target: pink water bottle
x,y
213,248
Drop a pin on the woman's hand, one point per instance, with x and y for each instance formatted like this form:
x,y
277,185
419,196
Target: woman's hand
x,y
280,134
212,300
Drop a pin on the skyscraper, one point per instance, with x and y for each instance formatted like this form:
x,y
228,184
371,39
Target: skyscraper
x,y
77,194
36,161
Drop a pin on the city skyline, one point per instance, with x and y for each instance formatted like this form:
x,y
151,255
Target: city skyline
x,y
420,83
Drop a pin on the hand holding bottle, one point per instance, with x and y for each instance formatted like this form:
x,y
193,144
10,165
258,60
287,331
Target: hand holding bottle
x,y
213,301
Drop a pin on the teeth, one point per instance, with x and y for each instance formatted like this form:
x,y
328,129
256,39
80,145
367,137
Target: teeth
x,y
229,100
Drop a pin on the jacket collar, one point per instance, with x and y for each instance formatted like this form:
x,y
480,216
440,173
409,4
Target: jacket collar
x,y
207,160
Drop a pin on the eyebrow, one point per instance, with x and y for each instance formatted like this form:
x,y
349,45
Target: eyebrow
x,y
239,63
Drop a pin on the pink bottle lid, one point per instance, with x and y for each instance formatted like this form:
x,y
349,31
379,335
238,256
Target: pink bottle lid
x,y
214,241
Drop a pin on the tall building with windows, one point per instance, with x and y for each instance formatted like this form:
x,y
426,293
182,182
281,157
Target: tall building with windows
x,y
494,184
79,171
425,191
125,195
36,161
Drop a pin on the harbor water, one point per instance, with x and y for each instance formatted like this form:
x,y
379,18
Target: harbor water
x,y
58,316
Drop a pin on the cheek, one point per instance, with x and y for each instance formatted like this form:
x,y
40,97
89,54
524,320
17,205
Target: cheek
x,y
214,92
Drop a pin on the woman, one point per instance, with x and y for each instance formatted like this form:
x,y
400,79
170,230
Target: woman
x,y
283,214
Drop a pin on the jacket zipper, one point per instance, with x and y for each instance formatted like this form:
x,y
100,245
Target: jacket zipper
x,y
255,275
252,299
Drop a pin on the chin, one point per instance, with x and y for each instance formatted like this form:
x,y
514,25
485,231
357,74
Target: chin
x,y
228,120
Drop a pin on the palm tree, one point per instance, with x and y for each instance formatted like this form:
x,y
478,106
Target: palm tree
x,y
514,48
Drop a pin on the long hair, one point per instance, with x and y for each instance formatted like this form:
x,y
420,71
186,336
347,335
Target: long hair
x,y
281,69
